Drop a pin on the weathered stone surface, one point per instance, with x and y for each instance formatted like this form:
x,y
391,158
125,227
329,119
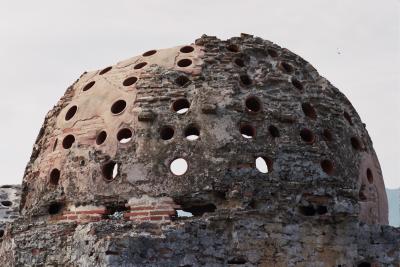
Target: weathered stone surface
x,y
101,188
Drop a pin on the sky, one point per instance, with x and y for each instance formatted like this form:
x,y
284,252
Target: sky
x,y
45,45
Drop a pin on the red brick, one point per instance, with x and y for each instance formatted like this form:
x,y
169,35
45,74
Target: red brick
x,y
156,218
142,208
162,212
134,214
91,212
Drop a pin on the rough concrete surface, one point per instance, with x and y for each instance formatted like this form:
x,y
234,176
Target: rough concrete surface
x,y
275,167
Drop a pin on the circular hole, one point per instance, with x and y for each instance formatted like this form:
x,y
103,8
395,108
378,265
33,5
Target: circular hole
x,y
179,166
327,166
253,104
347,116
101,137
140,65
110,170
129,81
182,80
124,135
307,210
54,208
356,143
167,132
105,70
71,113
181,106
245,80
309,110
297,84
239,62
6,203
118,106
184,62
263,164
272,52
286,67
233,48
370,177
273,131
192,133
54,176
68,141
328,136
88,86
149,53
364,264
187,49
307,135
247,131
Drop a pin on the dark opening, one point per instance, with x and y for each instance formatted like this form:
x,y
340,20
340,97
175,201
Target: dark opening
x,y
140,65
149,53
6,203
88,86
110,170
115,211
328,136
130,81
118,106
182,80
71,113
1,233
54,208
238,260
167,132
307,135
103,71
356,143
101,137
272,52
347,116
181,105
124,135
286,67
307,210
370,176
296,83
322,210
309,110
184,62
199,210
233,48
327,166
192,132
6,186
187,49
239,62
68,141
264,164
245,80
54,176
273,131
364,264
247,131
253,104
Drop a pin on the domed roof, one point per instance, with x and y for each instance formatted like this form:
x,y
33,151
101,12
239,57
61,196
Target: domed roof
x,y
233,124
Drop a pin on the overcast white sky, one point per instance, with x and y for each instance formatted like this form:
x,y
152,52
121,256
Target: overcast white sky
x,y
45,45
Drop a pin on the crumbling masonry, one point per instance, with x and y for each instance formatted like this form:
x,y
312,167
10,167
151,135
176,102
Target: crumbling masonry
x,y
218,153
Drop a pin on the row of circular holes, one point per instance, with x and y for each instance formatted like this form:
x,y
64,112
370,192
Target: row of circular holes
x,y
182,80
253,105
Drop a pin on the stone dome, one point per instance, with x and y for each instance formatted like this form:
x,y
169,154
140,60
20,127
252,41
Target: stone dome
x,y
241,124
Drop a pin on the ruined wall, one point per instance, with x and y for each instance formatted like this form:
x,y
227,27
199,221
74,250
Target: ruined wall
x,y
9,205
275,167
